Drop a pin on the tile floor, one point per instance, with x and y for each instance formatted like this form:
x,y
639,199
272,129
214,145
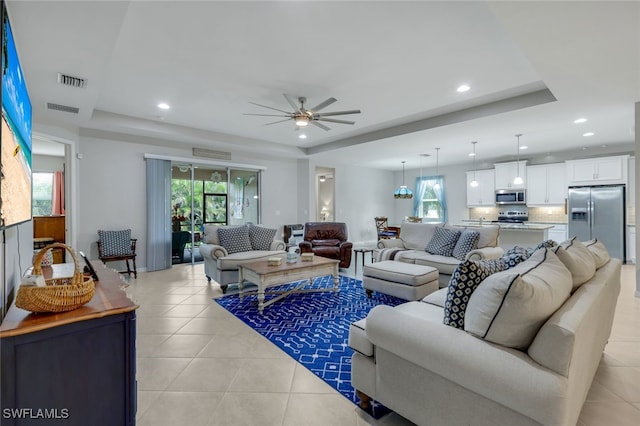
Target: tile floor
x,y
198,362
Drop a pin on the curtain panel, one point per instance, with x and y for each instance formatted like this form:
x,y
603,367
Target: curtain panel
x,y
158,214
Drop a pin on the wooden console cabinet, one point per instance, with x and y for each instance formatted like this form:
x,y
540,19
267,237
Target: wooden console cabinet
x,y
71,368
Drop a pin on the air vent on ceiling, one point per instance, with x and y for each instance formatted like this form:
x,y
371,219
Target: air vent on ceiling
x,y
210,153
67,80
63,108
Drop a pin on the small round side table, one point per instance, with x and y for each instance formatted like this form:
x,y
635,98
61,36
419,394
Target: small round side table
x,y
363,251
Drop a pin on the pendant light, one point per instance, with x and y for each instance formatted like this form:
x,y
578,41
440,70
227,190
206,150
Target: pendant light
x,y
518,179
474,182
403,191
437,184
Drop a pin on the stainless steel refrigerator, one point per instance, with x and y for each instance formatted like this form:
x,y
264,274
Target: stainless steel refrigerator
x,y
599,212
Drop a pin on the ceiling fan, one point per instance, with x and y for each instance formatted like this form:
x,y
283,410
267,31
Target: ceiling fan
x,y
305,116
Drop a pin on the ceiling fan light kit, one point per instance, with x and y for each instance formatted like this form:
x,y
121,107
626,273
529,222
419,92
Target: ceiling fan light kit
x,y
303,117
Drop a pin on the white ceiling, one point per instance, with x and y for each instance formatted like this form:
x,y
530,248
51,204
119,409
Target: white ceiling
x,y
533,68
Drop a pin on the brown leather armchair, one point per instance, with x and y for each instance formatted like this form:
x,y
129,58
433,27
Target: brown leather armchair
x,y
327,239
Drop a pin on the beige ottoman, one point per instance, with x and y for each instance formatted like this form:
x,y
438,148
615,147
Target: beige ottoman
x,y
399,279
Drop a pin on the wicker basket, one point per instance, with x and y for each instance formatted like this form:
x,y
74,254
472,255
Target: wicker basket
x,y
60,294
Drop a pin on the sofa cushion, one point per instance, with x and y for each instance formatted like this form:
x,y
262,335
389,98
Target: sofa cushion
x,y
599,252
488,236
578,260
231,262
465,279
467,241
235,239
445,264
443,242
211,235
438,297
509,307
415,236
326,243
261,237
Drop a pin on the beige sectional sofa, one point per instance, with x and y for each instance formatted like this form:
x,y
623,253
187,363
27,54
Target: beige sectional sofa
x,y
434,374
414,238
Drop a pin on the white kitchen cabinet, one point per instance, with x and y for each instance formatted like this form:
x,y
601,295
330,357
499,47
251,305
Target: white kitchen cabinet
x,y
484,193
558,233
546,184
631,187
507,172
598,171
631,244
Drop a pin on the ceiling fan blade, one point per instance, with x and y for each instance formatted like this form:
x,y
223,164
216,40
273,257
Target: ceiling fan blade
x,y
279,121
327,114
322,126
323,105
292,102
268,115
265,106
333,120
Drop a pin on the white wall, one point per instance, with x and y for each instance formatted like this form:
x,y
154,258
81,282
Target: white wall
x,y
47,164
112,190
16,252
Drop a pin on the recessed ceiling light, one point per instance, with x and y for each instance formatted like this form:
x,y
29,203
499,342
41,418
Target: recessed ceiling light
x,y
604,146
302,136
588,134
163,105
462,88
472,154
580,120
524,147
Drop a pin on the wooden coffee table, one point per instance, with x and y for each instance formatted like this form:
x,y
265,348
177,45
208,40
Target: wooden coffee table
x,y
265,276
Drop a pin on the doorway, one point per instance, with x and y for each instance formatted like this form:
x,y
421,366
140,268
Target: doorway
x,y
325,188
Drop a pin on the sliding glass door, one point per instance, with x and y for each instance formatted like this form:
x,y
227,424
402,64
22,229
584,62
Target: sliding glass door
x,y
206,195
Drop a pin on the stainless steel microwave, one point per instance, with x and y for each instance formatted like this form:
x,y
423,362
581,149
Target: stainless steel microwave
x,y
505,196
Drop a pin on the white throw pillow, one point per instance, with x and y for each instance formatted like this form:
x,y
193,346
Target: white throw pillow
x,y
509,307
599,252
578,260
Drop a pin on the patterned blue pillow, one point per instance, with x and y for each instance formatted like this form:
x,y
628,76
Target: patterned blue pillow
x,y
443,241
235,239
544,244
465,279
515,255
468,241
261,237
115,243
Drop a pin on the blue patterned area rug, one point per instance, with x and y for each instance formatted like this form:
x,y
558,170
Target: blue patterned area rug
x,y
313,328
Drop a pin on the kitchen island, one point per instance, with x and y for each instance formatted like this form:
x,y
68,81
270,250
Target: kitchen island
x,y
515,234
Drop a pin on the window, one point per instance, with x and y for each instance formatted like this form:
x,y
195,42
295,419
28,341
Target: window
x,y
42,193
430,201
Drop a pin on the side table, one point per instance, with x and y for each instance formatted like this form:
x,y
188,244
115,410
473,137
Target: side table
x,y
363,251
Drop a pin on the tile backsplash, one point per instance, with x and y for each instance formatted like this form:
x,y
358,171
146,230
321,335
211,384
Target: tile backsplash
x,y
554,214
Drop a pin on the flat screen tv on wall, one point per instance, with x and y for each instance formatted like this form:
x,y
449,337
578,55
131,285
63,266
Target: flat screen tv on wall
x,y
15,141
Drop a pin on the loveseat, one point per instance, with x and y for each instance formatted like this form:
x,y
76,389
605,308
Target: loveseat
x,y
514,371
226,247
415,237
